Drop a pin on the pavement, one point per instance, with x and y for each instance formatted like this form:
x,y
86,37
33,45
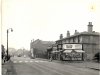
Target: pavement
x,y
7,68
82,64
38,66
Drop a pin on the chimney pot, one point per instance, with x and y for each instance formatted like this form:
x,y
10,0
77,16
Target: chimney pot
x,y
61,36
90,27
90,23
76,32
68,34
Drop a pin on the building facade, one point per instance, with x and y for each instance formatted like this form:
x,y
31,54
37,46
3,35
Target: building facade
x,y
38,48
52,50
89,42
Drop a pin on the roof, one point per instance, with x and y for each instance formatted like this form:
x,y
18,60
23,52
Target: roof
x,y
47,42
82,33
41,45
43,42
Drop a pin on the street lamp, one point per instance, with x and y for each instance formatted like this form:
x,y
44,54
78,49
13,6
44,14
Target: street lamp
x,y
7,41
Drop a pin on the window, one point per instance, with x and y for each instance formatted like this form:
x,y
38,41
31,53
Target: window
x,y
79,39
73,40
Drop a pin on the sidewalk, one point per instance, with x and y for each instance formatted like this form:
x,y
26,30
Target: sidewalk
x,y
93,65
6,68
83,64
80,64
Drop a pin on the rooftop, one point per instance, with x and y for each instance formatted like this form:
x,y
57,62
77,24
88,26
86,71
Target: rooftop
x,y
43,42
82,33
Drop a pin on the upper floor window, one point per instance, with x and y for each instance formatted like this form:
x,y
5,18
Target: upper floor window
x,y
79,39
67,41
73,40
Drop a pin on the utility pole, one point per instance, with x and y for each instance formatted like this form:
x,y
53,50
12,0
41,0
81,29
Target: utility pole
x,y
7,42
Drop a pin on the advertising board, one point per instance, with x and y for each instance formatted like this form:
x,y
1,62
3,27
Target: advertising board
x,y
72,46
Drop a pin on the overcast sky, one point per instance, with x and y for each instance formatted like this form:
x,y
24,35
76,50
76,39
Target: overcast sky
x,y
46,19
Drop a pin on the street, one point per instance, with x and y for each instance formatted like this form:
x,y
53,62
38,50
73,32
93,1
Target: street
x,y
27,66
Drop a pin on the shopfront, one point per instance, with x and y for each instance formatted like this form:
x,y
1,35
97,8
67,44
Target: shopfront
x,y
73,52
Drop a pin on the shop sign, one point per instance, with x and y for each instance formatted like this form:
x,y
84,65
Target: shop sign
x,y
72,46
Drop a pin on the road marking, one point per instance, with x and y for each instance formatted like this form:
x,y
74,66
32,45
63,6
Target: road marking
x,y
15,61
31,61
26,61
20,61
36,61
41,61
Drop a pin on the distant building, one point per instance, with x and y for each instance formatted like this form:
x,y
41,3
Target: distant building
x,y
38,48
88,41
12,51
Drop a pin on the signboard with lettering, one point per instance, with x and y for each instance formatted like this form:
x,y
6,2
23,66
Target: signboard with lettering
x,y
72,46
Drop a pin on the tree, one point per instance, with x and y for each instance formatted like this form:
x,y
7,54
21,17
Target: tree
x,y
3,51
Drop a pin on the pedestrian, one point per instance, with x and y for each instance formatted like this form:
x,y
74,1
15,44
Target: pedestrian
x,y
51,56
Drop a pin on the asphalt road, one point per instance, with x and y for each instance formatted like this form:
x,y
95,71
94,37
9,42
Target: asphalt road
x,y
27,66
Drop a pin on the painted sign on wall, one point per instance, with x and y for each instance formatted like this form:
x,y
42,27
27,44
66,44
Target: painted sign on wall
x,y
72,46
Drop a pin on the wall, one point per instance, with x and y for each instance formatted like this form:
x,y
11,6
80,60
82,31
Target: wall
x,y
91,45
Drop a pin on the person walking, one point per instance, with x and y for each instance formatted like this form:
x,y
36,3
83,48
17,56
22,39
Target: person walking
x,y
51,57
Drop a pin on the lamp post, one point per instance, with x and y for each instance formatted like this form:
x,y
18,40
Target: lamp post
x,y
7,41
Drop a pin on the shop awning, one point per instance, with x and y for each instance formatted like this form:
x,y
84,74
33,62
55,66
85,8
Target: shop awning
x,y
54,51
80,51
67,51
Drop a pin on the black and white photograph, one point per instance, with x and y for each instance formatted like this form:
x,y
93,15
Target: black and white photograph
x,y
50,37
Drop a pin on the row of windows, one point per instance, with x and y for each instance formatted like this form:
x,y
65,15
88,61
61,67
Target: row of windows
x,y
80,39
70,40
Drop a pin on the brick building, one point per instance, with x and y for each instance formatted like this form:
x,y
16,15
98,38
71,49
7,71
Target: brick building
x,y
38,48
88,40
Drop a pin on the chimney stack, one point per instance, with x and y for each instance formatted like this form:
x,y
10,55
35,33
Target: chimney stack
x,y
31,40
61,36
76,32
68,34
90,27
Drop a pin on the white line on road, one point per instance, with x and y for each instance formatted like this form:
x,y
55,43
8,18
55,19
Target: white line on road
x,y
26,61
20,61
31,61
15,61
36,61
42,61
